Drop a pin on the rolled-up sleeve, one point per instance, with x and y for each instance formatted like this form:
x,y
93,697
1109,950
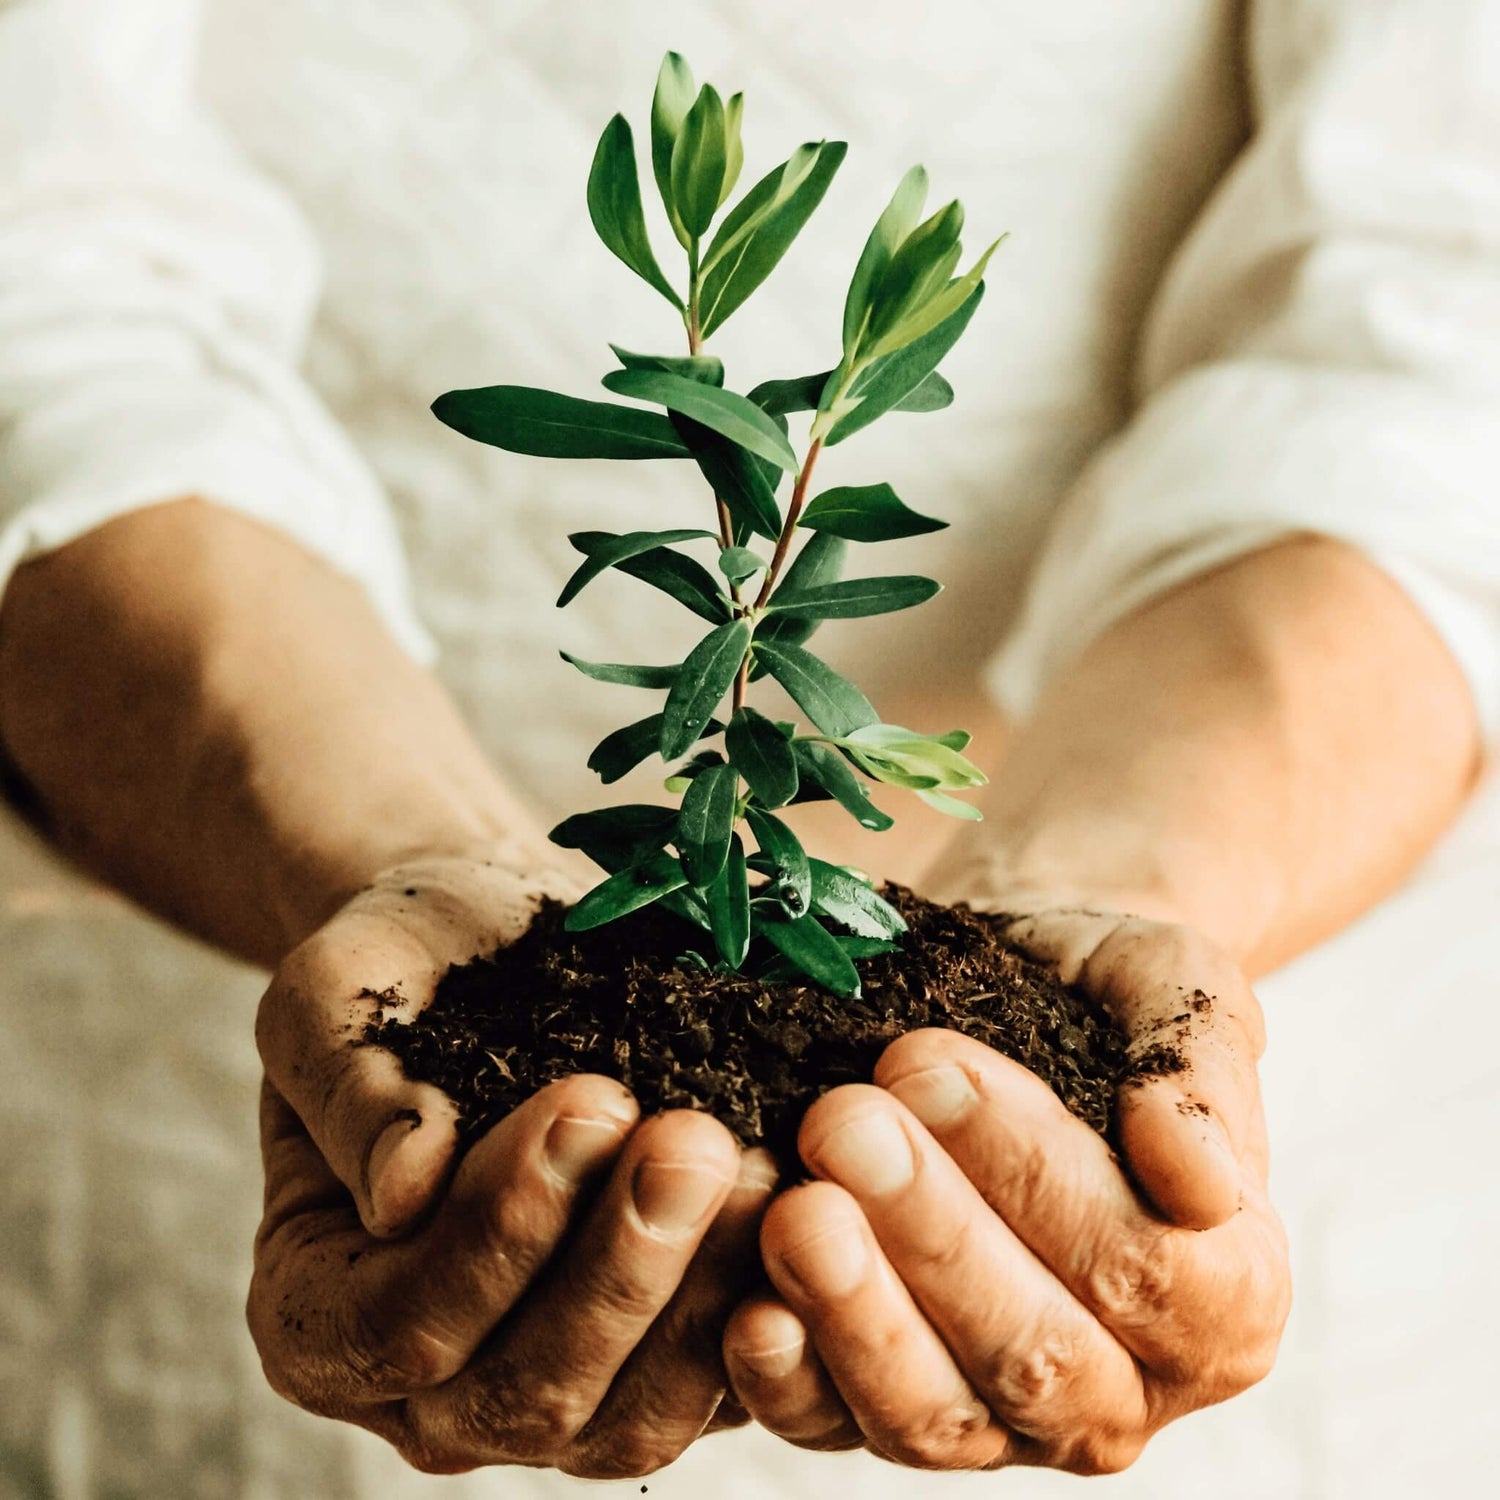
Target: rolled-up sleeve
x,y
155,297
1324,353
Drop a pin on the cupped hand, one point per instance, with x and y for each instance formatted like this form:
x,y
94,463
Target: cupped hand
x,y
556,1297
975,1280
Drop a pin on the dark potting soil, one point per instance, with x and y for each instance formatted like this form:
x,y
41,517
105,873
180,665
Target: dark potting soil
x,y
616,1000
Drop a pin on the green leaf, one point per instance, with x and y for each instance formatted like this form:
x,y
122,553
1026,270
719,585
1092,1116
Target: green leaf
x,y
855,598
728,901
892,227
814,950
820,561
703,368
604,549
699,158
791,872
705,823
736,476
675,90
615,837
734,147
545,424
782,203
853,904
739,563
805,393
819,766
707,674
918,270
955,739
866,513
627,676
629,890
905,758
834,704
615,206
894,378
763,756
686,581
621,752
943,803
936,309
727,413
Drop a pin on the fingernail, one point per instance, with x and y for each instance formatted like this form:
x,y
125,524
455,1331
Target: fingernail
x,y
868,1155
387,1143
672,1196
771,1364
829,1264
936,1096
577,1146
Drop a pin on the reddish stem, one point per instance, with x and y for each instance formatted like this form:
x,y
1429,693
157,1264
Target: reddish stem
x,y
793,515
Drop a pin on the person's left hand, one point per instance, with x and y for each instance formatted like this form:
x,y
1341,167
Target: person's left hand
x,y
974,1282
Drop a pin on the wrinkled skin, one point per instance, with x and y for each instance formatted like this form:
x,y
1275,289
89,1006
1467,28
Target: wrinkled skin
x,y
613,1250
974,1281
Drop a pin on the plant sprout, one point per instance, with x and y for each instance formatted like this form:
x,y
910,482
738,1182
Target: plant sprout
x,y
779,571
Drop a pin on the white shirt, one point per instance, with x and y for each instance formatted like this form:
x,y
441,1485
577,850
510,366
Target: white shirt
x,y
1252,288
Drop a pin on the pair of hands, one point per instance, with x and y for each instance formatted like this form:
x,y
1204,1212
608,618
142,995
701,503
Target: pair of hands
x,y
971,1281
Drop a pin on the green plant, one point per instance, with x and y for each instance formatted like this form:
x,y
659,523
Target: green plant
x,y
906,308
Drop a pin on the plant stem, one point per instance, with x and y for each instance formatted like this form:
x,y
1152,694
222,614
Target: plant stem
x,y
793,515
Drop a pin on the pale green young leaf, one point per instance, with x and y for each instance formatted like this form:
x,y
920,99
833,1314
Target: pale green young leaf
x,y
704,368
614,198
734,147
943,803
706,676
627,891
866,513
698,162
546,424
919,269
739,563
726,412
891,228
943,305
675,91
769,194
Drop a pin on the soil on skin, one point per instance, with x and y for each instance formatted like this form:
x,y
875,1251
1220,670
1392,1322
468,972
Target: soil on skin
x,y
616,1000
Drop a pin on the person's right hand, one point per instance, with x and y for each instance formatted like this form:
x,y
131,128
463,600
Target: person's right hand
x,y
562,1300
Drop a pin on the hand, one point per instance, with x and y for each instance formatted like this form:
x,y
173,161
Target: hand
x,y
974,1282
612,1251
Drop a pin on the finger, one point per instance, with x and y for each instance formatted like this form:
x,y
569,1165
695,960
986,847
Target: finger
x,y
1163,1292
1190,1120
534,1386
781,1382
390,1140
670,1388
1040,1361
347,1319
905,1392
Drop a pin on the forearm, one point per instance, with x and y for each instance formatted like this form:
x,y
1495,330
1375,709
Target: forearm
x,y
220,725
1263,753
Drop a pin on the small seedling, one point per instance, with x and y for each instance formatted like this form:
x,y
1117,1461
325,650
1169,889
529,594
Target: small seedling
x,y
722,859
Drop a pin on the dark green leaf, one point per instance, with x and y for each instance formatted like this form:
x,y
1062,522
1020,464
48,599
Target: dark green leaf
x,y
864,947
703,368
621,752
615,206
763,756
819,766
819,562
866,513
728,901
544,424
739,563
727,413
790,869
777,219
685,904
706,822
855,598
606,549
688,582
897,375
933,394
826,698
813,949
627,676
805,393
627,891
853,904
737,477
707,674
615,837
698,161
675,90
892,227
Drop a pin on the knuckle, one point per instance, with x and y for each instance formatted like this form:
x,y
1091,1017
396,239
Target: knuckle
x,y
938,1440
395,1358
436,1459
1133,1283
529,1425
1095,1454
1029,1387
620,1455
